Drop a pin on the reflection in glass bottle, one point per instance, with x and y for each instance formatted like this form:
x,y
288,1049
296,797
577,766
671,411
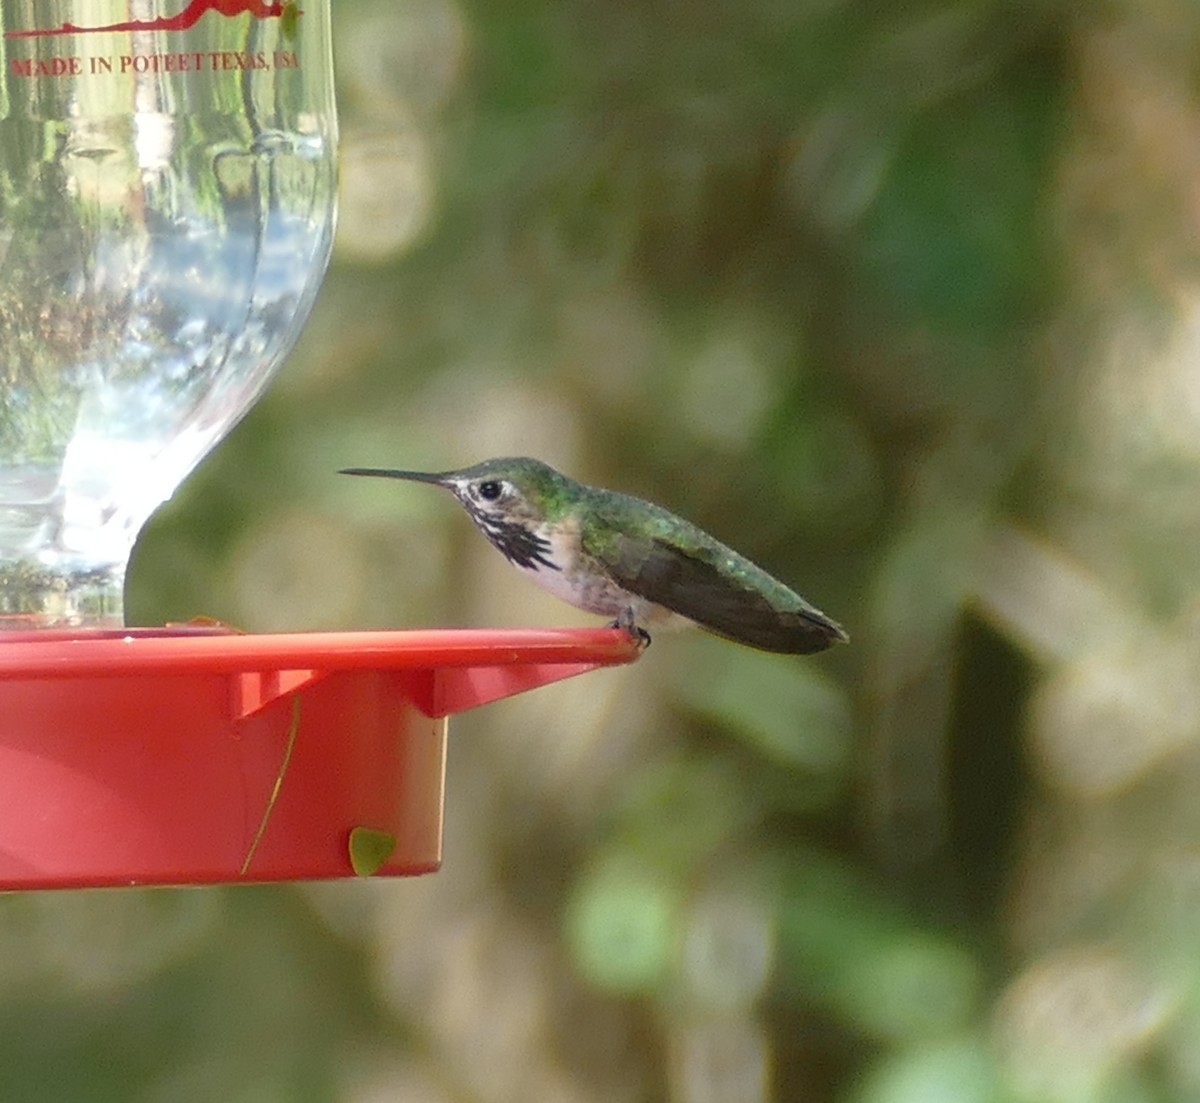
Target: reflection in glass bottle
x,y
165,221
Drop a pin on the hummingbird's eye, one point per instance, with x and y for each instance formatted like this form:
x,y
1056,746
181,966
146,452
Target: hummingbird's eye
x,y
490,490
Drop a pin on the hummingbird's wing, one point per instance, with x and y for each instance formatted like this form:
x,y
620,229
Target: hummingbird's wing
x,y
722,592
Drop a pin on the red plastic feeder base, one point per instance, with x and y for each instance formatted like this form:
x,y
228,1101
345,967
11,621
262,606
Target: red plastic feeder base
x,y
191,756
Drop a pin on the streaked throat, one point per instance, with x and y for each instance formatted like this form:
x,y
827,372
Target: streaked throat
x,y
518,543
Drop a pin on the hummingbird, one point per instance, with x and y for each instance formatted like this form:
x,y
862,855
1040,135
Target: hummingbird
x,y
623,557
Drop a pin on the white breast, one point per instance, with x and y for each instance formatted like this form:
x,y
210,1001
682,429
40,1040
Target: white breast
x,y
594,594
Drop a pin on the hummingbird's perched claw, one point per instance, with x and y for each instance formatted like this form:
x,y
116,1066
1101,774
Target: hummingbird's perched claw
x,y
627,621
619,556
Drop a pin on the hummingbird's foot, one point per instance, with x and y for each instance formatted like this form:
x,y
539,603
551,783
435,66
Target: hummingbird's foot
x,y
629,624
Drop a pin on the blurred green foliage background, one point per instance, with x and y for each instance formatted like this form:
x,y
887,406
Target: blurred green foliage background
x,y
901,299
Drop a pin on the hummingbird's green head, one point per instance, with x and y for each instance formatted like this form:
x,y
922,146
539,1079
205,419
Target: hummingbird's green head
x,y
514,490
510,500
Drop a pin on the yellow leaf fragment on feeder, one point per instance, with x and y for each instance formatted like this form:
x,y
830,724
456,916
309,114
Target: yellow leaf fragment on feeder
x,y
369,849
203,621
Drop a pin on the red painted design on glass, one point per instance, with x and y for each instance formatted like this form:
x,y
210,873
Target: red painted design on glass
x,y
181,22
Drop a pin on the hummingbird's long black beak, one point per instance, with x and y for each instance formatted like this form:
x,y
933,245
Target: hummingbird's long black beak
x,y
434,477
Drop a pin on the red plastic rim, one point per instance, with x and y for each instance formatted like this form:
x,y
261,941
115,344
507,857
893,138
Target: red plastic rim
x,y
53,653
